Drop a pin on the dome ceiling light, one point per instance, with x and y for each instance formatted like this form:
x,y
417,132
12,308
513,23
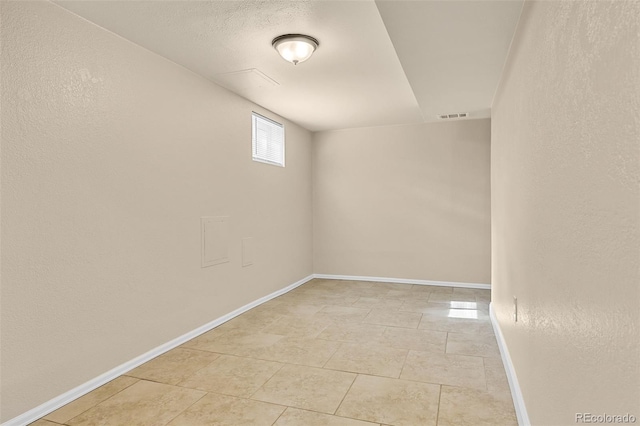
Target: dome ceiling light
x,y
295,48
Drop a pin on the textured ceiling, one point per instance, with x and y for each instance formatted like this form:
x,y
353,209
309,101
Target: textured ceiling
x,y
449,53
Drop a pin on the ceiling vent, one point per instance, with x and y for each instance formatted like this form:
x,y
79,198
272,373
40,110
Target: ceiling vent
x,y
456,115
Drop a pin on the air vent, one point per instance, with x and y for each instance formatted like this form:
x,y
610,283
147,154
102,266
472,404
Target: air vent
x,y
455,115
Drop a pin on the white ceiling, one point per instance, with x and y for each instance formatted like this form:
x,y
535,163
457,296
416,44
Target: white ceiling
x,y
452,52
379,63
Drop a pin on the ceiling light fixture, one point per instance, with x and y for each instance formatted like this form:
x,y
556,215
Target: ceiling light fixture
x,y
295,48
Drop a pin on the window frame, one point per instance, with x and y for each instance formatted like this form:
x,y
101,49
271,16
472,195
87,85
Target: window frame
x,y
254,128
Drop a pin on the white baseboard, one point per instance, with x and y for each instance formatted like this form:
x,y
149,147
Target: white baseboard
x,y
75,393
516,393
403,281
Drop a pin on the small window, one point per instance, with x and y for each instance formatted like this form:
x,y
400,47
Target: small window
x,y
267,140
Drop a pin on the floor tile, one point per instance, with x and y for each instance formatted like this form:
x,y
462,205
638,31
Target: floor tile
x,y
342,314
406,294
141,404
483,305
255,320
298,327
470,407
231,375
173,366
322,282
368,292
496,376
455,325
455,370
204,340
371,359
371,292
445,309
298,310
392,286
421,288
299,290
299,299
295,417
432,288
222,410
418,340
378,302
423,306
299,350
391,401
393,318
451,310
319,300
235,342
309,388
321,291
353,332
356,285
449,297
477,292
93,398
480,306
472,344
338,300
484,297
328,353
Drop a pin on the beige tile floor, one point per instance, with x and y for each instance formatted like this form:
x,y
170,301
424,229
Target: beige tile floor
x,y
329,353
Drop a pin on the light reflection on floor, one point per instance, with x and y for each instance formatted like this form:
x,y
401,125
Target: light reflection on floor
x,y
467,310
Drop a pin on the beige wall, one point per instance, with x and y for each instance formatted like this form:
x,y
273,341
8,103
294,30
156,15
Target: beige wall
x,y
566,208
110,156
404,201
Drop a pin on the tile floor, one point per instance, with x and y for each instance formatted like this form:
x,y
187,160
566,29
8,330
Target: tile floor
x,y
329,353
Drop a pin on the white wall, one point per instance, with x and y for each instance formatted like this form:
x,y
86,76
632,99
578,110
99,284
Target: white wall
x,y
404,201
565,173
110,156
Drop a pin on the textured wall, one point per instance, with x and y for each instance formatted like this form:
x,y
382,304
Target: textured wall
x,y
404,201
566,208
110,156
